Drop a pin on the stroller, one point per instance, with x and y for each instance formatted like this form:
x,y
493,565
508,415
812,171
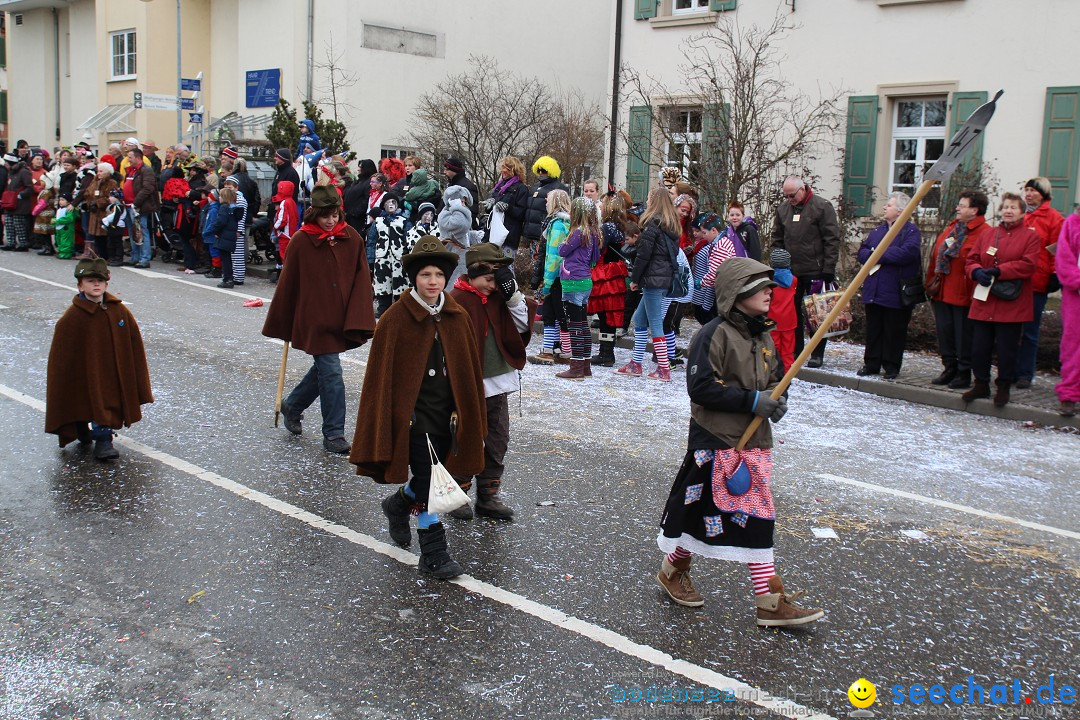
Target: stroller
x,y
166,246
264,250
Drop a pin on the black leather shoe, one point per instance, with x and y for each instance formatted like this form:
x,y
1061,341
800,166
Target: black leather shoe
x,y
861,372
815,362
292,420
338,446
891,375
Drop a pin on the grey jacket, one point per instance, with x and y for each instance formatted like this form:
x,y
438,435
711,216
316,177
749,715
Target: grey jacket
x,y
813,240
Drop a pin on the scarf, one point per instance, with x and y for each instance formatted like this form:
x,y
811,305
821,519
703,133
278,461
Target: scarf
x,y
465,286
503,185
432,309
317,233
959,231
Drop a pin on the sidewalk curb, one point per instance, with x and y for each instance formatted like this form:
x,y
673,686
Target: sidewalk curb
x,y
946,399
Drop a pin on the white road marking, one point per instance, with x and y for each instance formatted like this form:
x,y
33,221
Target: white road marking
x,y
341,356
4,307
588,630
824,533
162,276
952,506
70,286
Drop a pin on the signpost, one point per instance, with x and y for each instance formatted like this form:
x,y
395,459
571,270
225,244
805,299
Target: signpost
x,y
191,84
156,101
187,103
263,87
195,118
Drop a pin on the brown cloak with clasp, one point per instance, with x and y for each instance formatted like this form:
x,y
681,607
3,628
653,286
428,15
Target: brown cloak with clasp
x,y
323,302
97,369
494,314
395,369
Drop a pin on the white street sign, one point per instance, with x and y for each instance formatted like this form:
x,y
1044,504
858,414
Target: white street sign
x,y
156,101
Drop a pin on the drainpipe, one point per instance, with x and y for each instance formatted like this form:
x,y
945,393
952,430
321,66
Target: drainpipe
x,y
310,46
615,92
56,48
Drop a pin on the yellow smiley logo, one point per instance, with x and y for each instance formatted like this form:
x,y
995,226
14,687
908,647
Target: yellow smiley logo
x,y
862,693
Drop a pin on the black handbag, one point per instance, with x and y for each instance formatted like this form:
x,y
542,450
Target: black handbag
x,y
680,275
1006,289
912,292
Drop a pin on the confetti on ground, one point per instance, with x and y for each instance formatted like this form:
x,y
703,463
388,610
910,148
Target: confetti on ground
x,y
825,534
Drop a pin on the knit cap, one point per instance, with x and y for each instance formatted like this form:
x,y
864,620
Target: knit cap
x,y
780,258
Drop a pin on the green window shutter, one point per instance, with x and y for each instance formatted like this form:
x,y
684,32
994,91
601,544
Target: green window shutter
x,y
963,104
3,52
859,152
1060,154
639,152
721,5
714,141
645,9
3,106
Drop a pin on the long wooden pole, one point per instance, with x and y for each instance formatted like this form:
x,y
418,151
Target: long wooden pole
x,y
842,303
281,382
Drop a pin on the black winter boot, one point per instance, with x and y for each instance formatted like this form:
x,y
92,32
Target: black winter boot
x,y
397,509
946,375
488,501
981,389
961,381
104,450
435,560
1001,397
606,356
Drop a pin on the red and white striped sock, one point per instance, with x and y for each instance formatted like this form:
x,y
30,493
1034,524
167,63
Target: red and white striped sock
x,y
660,348
759,575
565,349
680,553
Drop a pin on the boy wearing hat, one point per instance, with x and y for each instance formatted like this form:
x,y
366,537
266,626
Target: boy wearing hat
x,y
323,306
97,366
502,324
720,505
422,398
782,309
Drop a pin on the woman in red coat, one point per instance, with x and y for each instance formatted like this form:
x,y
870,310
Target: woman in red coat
x,y
1000,258
1046,222
950,288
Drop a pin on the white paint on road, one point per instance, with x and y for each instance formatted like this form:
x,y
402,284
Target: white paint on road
x,y
952,506
174,278
70,286
591,631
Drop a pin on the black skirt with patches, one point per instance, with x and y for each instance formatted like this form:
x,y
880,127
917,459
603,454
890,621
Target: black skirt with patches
x,y
693,521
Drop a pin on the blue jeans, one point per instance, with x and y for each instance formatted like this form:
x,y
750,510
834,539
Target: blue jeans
x,y
650,311
1029,341
577,298
322,381
141,253
100,432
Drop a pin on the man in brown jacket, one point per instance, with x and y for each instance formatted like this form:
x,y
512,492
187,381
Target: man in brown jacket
x,y
806,226
323,305
145,201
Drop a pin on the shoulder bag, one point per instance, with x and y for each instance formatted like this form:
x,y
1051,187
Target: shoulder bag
x,y
1004,289
680,275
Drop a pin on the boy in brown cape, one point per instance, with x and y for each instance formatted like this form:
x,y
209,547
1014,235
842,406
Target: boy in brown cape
x,y
323,305
97,366
423,382
502,322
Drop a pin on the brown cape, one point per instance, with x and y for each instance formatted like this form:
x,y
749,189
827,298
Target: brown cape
x,y
494,313
97,369
396,362
323,302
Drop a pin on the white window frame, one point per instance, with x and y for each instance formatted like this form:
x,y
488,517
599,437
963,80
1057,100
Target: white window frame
x,y
686,138
920,134
395,152
696,6
129,54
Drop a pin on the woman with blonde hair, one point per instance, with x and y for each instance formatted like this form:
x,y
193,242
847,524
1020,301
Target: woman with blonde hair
x,y
579,254
556,228
653,271
506,206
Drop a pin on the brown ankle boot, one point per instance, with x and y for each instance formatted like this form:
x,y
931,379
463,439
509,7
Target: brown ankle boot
x,y
675,579
979,389
777,609
1001,397
586,366
576,371
488,501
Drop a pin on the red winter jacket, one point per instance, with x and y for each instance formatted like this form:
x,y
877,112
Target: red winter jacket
x,y
957,286
1046,222
1017,255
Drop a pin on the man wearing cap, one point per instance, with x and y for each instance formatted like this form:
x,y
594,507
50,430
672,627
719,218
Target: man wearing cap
x,y
130,144
97,377
422,399
1046,222
284,171
454,170
150,149
323,305
502,322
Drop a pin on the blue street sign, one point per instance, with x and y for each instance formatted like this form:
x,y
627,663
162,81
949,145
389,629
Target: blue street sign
x,y
190,85
187,103
195,118
263,87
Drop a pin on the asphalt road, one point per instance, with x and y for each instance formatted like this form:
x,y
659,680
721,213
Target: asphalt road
x,y
226,569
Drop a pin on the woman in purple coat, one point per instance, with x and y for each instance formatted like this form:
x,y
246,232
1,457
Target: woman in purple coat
x,y
887,316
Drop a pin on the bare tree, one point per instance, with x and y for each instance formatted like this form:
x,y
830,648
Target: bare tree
x,y
485,113
337,80
755,125
577,129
